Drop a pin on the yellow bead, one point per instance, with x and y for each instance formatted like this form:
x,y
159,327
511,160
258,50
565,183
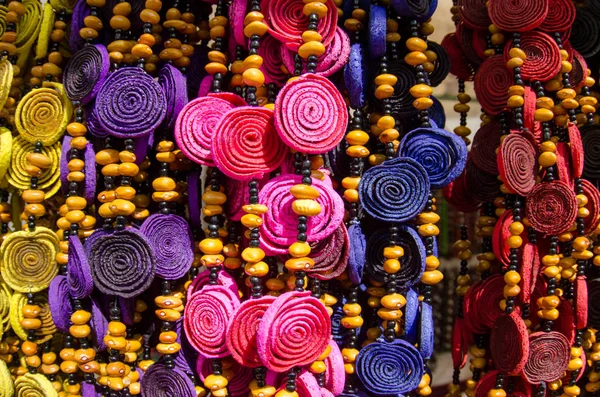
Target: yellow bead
x,y
315,48
357,151
211,246
416,44
386,122
257,209
512,277
389,314
547,159
551,271
511,290
515,101
394,252
543,115
516,90
514,63
299,264
315,7
422,103
215,382
393,301
252,61
391,266
386,78
259,269
318,367
299,249
352,309
496,393
384,91
253,77
432,277
357,137
311,35
421,90
301,191
428,230
517,53
352,322
255,27
515,241
415,58
566,93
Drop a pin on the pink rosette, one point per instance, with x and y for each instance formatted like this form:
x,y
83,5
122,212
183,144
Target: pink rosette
x,y
206,317
272,52
195,128
294,331
201,280
237,13
278,231
335,374
311,115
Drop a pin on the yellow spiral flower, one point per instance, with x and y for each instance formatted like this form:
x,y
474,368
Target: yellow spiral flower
x,y
34,385
6,382
5,299
28,30
48,16
47,329
6,76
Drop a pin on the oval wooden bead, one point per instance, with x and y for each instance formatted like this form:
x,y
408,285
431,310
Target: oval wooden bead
x,y
39,160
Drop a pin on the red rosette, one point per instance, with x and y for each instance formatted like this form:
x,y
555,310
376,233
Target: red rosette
x,y
549,355
460,66
206,317
592,221
517,162
529,107
530,269
242,329
518,16
330,255
492,81
499,237
560,17
551,207
472,322
457,195
287,21
576,149
472,42
520,388
566,321
509,344
230,97
474,14
270,50
460,343
543,56
579,72
483,307
483,149
581,302
563,164
245,145
311,115
482,186
195,127
294,331
537,132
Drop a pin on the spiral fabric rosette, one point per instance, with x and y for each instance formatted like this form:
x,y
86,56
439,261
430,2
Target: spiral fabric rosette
x,y
401,101
517,163
130,104
395,191
334,375
43,114
6,383
543,60
492,81
85,73
28,30
287,22
474,14
310,114
585,36
356,259
122,263
280,221
483,149
196,125
47,329
6,76
442,154
551,207
548,357
480,185
205,322
242,330
245,144
510,343
34,385
518,16
590,138
174,86
560,16
98,323
5,298
389,368
29,259
294,331
330,255
519,386
354,76
377,31
239,376
79,274
5,150
272,53
172,243
59,299
160,381
421,10
460,65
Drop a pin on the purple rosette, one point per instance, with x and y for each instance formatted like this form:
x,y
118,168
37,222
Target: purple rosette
x,y
426,335
173,83
85,73
194,204
159,381
79,274
377,31
172,243
92,123
98,323
59,300
80,11
358,247
89,158
354,76
421,10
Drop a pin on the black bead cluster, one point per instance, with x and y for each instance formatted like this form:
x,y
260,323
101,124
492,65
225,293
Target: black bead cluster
x,y
426,290
391,287
547,324
390,153
518,111
219,45
486,242
422,77
514,254
546,130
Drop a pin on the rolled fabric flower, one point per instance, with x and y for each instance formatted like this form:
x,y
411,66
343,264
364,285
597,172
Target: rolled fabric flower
x,y
395,191
294,331
551,207
593,319
560,17
130,104
460,65
272,52
239,376
565,325
28,32
458,196
92,123
421,10
480,185
6,76
443,155
474,14
307,385
530,269
412,262
492,81
354,76
33,385
579,72
80,11
576,150
29,259
174,85
460,343
159,380
500,237
377,31
122,263
196,125
242,330
482,304
310,114
590,137
334,58
426,343
172,242
389,368
517,163
518,16
287,22
185,359
245,144
548,357
206,318
411,312
85,73
237,13
483,149
509,344
543,56
356,259
279,222
99,324
401,101
6,382
472,42
5,150
592,221
89,183
5,298
585,31
47,329
330,255
196,71
441,64
42,115
338,332
59,299
202,280
334,375
194,205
